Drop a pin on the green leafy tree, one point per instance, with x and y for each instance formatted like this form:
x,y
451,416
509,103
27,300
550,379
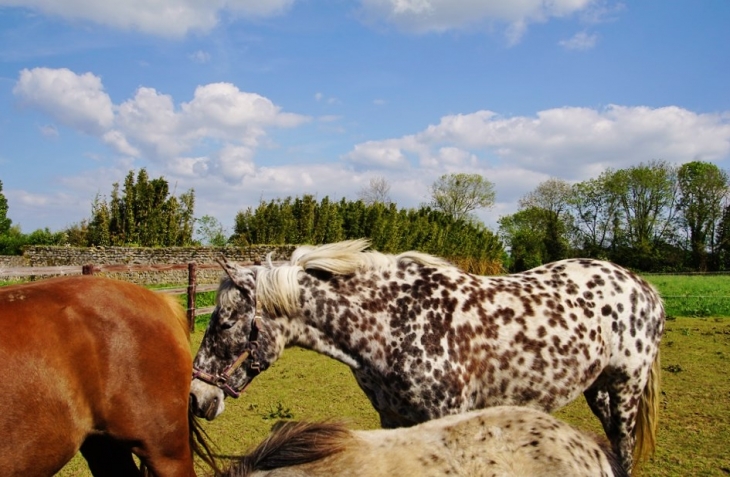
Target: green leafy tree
x,y
703,188
389,229
458,195
647,197
524,234
100,225
549,203
596,216
145,214
723,240
5,222
211,231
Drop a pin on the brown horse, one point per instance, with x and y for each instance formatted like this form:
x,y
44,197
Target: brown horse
x,y
503,440
96,365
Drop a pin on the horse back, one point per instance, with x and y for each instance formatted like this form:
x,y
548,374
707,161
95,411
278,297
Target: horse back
x,y
85,355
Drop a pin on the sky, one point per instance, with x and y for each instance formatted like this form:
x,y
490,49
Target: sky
x,y
251,100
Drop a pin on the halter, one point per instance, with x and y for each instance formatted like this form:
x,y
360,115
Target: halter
x,y
250,349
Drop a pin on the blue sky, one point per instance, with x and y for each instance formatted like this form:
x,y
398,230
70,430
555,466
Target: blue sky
x,y
243,100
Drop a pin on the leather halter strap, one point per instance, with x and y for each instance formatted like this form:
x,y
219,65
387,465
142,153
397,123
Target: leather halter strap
x,y
250,350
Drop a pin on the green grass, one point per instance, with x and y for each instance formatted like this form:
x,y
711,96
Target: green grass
x,y
694,295
695,411
694,418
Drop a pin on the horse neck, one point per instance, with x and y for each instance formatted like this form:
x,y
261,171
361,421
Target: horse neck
x,y
313,336
317,325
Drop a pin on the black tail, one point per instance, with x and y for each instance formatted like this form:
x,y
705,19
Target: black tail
x,y
200,443
291,444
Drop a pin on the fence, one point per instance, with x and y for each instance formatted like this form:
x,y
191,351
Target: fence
x,y
90,269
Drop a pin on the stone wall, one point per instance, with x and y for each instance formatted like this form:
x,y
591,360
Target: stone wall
x,y
45,256
12,261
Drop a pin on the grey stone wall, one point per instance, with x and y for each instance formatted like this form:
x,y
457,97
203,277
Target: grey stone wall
x,y
12,261
45,256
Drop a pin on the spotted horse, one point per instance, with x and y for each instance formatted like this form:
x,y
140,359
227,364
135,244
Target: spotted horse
x,y
424,339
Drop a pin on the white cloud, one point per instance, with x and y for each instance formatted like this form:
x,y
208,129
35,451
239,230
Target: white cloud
x,y
221,109
119,143
150,122
236,162
76,101
170,18
177,18
200,56
229,123
424,16
259,8
380,154
581,41
517,153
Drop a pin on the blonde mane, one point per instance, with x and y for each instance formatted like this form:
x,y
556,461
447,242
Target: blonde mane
x,y
277,287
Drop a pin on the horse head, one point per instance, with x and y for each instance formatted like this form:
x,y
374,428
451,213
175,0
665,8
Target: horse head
x,y
238,343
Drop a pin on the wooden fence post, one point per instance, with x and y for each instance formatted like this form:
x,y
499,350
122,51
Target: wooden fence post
x,y
87,269
191,296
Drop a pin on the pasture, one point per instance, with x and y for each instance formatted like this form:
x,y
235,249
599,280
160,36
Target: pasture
x,y
693,295
694,417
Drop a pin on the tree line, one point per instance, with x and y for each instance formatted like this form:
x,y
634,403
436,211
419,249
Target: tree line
x,y
390,229
142,212
650,217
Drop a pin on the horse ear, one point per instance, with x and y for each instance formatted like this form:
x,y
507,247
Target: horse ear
x,y
243,277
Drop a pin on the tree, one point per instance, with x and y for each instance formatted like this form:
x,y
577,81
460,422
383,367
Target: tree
x,y
460,194
550,201
596,215
389,229
523,233
703,188
647,196
5,222
211,231
378,190
143,214
723,241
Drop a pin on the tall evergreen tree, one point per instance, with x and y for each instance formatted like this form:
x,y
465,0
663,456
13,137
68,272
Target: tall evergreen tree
x,y
144,214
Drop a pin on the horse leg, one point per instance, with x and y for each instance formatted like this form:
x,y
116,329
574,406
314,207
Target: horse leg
x,y
615,406
108,457
598,401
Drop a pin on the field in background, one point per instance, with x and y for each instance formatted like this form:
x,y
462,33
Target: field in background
x,y
693,295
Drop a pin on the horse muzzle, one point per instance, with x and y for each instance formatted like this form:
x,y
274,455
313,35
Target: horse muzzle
x,y
206,401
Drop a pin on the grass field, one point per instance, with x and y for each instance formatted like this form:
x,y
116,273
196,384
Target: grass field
x,y
694,428
694,434
694,295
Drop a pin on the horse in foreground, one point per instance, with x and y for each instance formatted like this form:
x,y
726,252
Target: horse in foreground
x,y
425,339
96,365
504,441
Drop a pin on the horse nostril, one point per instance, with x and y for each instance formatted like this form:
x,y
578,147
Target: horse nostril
x,y
193,401
212,409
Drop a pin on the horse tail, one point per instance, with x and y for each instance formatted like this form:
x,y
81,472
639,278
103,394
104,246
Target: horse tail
x,y
648,415
291,444
200,443
617,470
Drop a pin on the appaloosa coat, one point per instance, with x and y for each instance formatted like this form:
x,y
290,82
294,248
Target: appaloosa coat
x,y
425,339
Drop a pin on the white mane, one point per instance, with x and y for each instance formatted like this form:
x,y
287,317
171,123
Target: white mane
x,y
277,287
